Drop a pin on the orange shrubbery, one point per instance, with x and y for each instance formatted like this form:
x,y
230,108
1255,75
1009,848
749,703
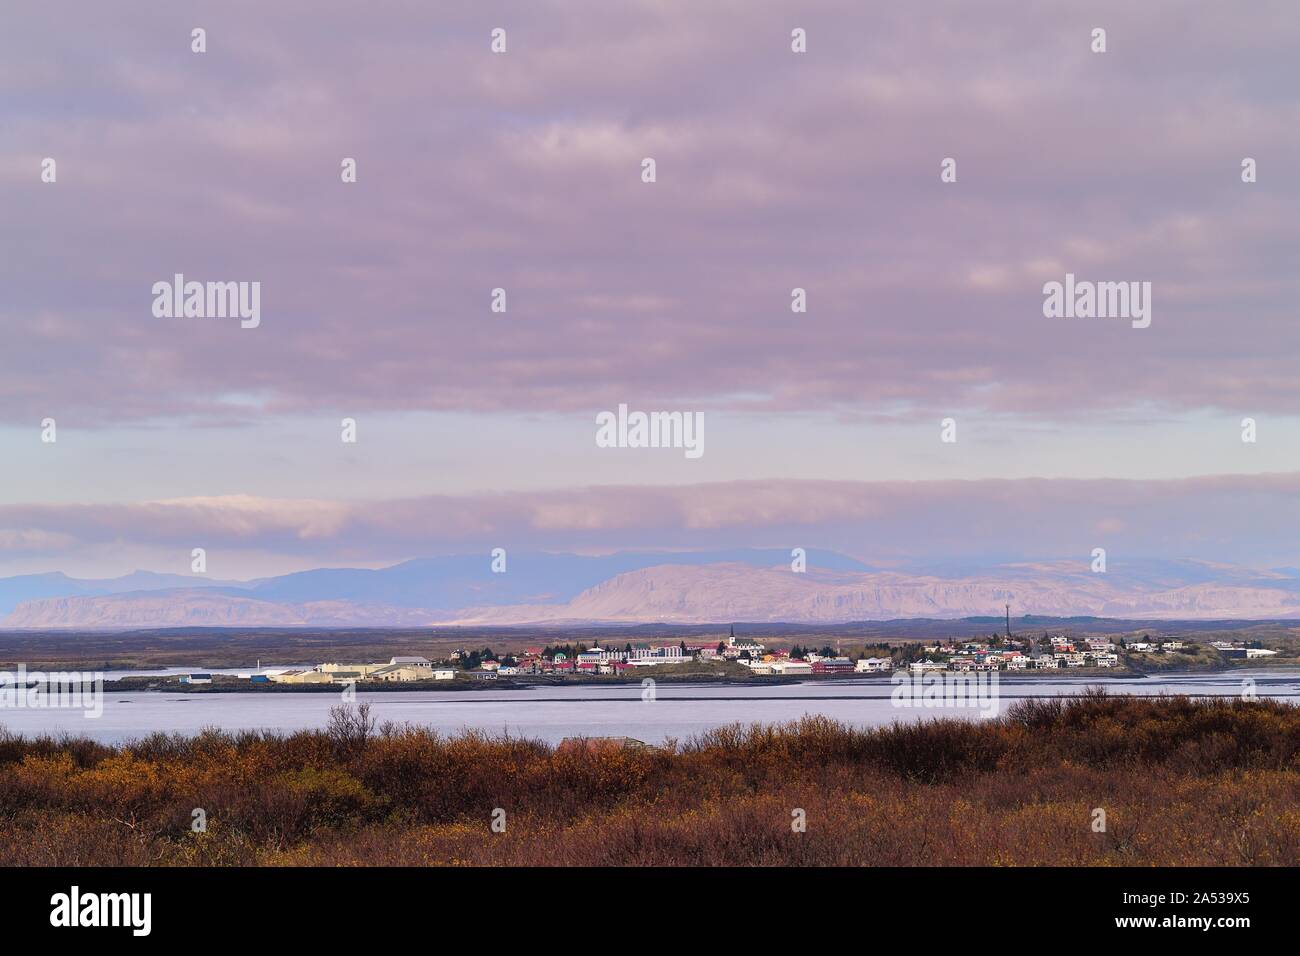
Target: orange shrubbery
x,y
1181,781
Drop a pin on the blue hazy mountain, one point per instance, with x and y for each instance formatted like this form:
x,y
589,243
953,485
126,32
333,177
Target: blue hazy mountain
x,y
752,585
30,587
535,577
440,583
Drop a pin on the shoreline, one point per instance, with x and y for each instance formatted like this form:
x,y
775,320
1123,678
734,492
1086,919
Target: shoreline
x,y
224,684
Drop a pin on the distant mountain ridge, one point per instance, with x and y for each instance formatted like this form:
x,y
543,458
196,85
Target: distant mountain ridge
x,y
443,583
456,581
756,585
55,584
717,593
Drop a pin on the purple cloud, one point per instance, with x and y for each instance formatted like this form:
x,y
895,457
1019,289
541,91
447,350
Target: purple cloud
x,y
521,171
1252,520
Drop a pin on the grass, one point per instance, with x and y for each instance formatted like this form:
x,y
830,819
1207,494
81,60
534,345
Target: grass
x,y
1182,782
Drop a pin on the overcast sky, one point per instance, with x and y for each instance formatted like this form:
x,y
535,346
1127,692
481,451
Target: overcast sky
x,y
522,171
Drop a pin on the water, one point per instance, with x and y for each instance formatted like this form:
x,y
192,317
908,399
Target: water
x,y
552,713
178,671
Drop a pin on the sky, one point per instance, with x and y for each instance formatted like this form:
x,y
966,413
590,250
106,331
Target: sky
x,y
522,170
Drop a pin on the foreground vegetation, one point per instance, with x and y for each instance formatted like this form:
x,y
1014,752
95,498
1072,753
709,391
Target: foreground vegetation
x,y
1181,782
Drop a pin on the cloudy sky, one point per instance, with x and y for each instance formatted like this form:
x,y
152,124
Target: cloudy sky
x,y
522,171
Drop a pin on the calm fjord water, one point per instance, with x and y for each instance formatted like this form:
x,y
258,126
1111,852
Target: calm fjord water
x,y
552,713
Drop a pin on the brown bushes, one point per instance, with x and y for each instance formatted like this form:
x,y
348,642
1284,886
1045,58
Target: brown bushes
x,y
1181,782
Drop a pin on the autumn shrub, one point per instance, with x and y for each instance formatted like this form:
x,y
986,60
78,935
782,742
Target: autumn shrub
x,y
1181,781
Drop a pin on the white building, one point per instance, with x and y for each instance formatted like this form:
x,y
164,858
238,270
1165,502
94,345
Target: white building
x,y
735,645
660,654
791,667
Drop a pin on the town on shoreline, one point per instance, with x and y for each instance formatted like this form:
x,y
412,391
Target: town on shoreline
x,y
733,660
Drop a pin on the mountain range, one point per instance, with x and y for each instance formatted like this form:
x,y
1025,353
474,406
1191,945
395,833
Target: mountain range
x,y
755,585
